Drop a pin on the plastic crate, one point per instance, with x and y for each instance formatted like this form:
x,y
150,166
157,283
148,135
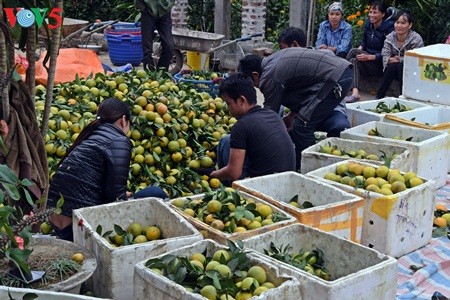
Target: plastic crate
x,y
429,148
150,285
222,237
208,86
334,211
357,113
112,278
313,159
416,84
357,272
395,224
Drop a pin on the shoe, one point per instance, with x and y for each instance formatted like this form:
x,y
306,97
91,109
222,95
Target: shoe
x,y
351,99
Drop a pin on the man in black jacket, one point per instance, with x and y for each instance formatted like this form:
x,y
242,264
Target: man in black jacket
x,y
310,83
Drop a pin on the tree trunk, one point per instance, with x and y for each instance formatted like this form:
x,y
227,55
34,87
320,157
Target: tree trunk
x,y
54,50
4,95
31,57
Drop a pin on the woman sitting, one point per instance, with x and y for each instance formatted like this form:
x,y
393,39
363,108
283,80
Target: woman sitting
x,y
335,34
366,58
95,169
395,45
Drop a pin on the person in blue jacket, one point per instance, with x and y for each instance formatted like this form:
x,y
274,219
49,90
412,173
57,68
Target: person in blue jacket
x,y
367,60
335,34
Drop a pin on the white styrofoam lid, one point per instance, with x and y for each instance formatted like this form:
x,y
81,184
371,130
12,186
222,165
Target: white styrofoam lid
x,y
437,50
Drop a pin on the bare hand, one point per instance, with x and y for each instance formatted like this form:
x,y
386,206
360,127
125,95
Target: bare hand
x,y
394,59
288,122
323,47
364,57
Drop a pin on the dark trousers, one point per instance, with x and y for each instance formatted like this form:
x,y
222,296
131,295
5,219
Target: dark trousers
x,y
393,71
334,124
371,68
303,133
223,155
163,25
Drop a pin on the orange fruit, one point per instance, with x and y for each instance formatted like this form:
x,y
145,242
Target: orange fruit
x,y
153,233
440,222
161,108
442,207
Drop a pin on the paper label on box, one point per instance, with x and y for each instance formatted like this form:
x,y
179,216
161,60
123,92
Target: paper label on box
x,y
383,206
435,70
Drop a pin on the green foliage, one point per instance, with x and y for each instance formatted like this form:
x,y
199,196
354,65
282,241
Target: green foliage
x,y
430,19
96,9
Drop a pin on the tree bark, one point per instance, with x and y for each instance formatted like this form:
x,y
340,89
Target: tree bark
x,y
4,92
54,50
31,57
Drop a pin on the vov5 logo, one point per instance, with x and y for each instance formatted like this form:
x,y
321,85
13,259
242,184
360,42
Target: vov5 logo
x,y
27,17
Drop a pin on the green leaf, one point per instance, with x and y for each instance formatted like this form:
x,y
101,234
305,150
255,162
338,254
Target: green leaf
x,y
180,275
60,202
12,191
7,175
439,232
30,296
216,281
107,233
239,213
99,229
26,182
119,230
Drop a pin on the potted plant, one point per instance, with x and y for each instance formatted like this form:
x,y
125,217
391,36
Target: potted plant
x,y
19,248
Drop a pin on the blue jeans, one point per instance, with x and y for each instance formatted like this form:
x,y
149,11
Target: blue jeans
x,y
223,155
163,25
151,191
303,133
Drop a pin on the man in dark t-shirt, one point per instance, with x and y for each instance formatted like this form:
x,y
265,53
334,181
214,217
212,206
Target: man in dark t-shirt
x,y
258,143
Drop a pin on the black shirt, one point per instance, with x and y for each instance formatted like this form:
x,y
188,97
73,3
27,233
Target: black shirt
x,y
262,133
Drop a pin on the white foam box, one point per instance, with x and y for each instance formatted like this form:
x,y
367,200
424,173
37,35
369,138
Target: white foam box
x,y
416,84
7,292
113,276
395,224
334,210
313,159
433,118
221,236
357,272
430,148
150,285
358,113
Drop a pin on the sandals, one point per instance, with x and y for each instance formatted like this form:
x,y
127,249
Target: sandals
x,y
351,99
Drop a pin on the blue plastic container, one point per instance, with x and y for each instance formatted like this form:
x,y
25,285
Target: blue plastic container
x,y
124,49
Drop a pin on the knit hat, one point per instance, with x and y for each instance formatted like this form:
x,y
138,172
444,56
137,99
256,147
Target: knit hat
x,y
335,6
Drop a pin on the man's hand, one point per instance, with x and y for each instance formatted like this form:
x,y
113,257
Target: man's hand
x,y
289,120
323,47
365,57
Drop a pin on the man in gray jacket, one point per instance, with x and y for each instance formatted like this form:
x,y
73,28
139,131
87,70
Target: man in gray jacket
x,y
310,83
